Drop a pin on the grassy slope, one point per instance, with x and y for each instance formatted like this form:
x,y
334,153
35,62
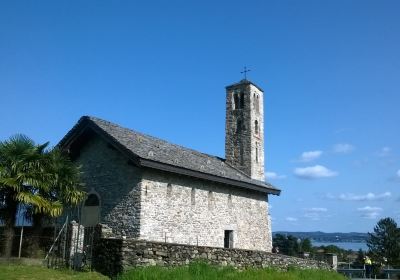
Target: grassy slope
x,y
30,272
201,271
198,271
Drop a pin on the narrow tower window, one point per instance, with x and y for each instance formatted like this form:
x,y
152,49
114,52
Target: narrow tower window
x,y
257,104
256,126
238,126
241,153
256,152
235,101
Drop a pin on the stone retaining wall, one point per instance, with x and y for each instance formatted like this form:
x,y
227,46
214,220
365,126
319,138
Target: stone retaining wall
x,y
112,256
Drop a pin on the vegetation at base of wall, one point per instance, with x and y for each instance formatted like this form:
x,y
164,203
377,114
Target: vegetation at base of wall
x,y
33,272
202,271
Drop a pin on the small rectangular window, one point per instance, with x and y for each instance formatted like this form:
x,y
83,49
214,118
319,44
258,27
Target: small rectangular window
x,y
228,239
193,197
169,190
210,200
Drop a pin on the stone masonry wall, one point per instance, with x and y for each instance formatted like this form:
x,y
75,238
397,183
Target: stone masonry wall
x,y
244,147
112,256
158,206
257,139
116,181
178,209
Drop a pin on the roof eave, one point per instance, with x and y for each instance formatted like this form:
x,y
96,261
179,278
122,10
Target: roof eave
x,y
209,177
243,82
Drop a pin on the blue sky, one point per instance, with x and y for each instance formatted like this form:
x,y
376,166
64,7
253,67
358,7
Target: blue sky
x,y
330,71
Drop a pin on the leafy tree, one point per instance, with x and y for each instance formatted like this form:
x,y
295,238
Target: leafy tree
x,y
288,245
384,242
333,249
44,181
306,245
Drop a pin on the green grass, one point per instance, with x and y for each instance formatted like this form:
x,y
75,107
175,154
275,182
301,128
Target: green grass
x,y
33,272
201,271
197,271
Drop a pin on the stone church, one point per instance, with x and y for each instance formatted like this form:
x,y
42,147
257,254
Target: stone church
x,y
147,188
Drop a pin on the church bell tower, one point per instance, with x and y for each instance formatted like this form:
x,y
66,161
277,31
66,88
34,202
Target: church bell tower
x,y
244,129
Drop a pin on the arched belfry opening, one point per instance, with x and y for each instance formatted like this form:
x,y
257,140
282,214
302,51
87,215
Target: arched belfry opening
x,y
91,210
236,101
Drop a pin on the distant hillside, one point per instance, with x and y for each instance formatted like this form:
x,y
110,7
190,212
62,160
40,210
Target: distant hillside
x,y
320,236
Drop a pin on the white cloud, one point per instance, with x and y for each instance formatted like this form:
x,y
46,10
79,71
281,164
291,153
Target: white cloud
x,y
316,209
291,219
329,196
310,156
364,197
384,152
343,148
314,172
369,212
273,175
315,213
369,208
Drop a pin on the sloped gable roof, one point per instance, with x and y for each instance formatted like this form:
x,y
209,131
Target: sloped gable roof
x,y
156,153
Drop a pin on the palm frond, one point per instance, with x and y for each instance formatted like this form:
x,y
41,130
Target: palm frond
x,y
42,179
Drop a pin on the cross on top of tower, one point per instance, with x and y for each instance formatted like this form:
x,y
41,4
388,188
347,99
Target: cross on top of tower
x,y
245,72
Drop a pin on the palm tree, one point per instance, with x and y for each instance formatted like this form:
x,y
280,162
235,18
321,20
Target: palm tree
x,y
42,180
63,179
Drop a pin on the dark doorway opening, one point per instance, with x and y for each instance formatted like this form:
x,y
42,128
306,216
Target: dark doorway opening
x,y
228,239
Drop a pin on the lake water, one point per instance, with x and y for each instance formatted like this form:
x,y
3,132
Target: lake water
x,y
355,246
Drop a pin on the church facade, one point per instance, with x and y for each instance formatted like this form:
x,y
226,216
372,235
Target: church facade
x,y
149,189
